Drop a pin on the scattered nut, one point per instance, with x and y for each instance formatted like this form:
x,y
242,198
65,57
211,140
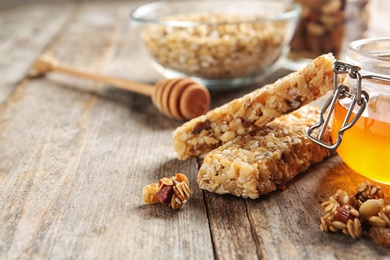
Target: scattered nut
x,y
377,221
343,214
370,208
173,191
380,235
355,215
352,228
149,193
165,194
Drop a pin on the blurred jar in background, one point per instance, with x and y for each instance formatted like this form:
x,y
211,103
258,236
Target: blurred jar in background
x,y
327,26
379,26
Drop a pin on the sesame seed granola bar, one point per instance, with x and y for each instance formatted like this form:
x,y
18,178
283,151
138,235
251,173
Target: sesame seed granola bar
x,y
243,115
266,159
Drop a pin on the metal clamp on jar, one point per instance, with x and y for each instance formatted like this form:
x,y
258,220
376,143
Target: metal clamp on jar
x,y
359,109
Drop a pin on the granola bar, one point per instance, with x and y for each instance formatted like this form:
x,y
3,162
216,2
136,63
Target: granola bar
x,y
266,159
241,116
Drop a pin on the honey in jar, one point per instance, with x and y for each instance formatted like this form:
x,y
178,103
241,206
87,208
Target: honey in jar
x,y
365,147
360,105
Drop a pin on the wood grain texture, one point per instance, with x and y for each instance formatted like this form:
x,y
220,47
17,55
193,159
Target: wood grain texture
x,y
25,32
75,155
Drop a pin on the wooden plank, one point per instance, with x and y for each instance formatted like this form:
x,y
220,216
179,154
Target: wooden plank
x,y
84,152
25,32
230,227
131,60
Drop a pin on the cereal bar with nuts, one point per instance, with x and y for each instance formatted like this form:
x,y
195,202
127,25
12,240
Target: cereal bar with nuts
x,y
243,115
266,159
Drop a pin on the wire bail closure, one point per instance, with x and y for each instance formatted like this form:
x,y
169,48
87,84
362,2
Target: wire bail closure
x,y
359,98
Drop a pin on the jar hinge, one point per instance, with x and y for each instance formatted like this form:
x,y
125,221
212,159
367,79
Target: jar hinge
x,y
359,98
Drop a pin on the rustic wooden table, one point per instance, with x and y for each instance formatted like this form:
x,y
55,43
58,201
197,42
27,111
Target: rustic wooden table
x,y
74,156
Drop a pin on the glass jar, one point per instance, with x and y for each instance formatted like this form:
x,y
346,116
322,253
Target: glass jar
x,y
327,26
361,109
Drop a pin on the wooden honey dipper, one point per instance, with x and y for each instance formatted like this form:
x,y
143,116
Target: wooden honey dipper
x,y
178,98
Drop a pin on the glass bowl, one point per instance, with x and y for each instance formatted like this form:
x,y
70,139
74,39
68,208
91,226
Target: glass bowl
x,y
220,44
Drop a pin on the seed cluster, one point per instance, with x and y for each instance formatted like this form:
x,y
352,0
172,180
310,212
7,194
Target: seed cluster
x,y
173,191
219,46
355,215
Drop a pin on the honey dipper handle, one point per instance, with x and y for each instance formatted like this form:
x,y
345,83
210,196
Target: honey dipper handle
x,y
46,64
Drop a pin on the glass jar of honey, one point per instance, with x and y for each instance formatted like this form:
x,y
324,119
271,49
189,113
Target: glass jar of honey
x,y
361,109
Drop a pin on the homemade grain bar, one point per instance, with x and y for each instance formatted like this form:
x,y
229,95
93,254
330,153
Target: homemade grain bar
x,y
241,116
260,162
